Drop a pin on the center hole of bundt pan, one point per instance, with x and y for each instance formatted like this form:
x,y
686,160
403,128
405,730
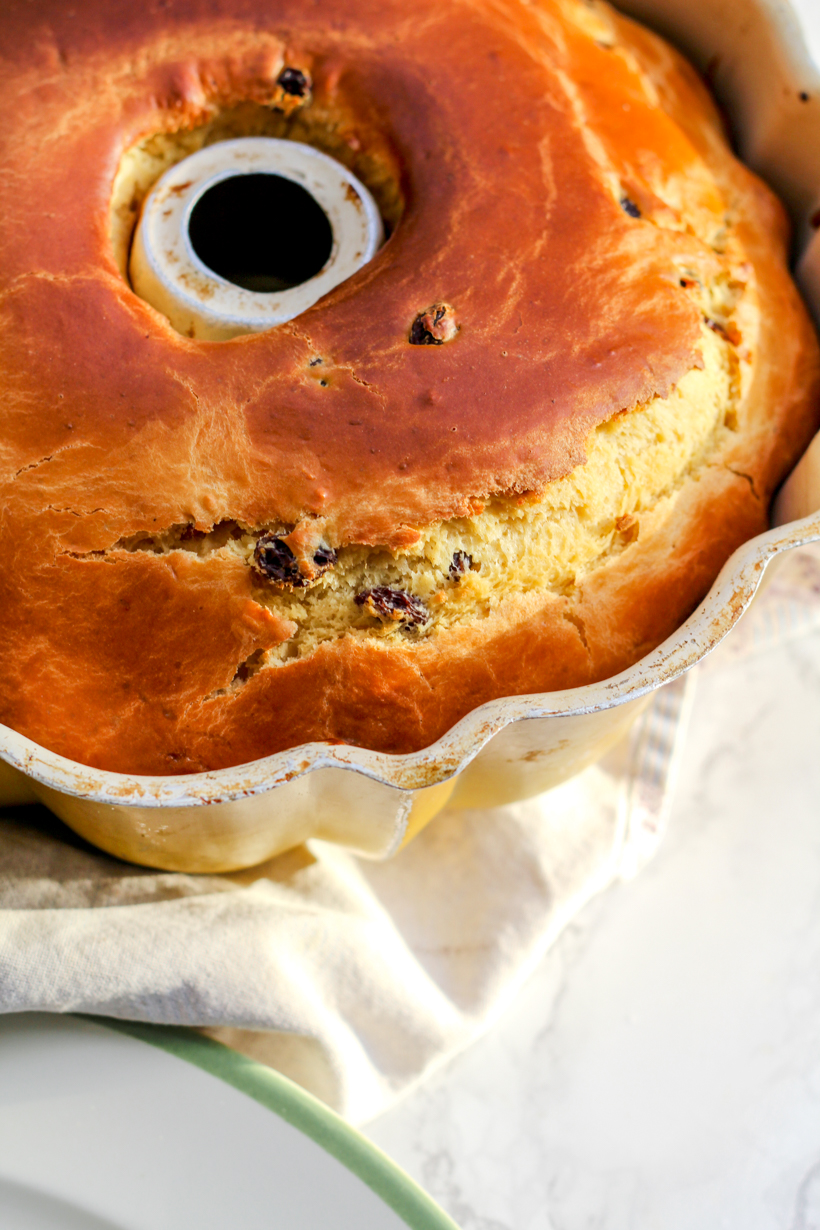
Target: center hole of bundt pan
x,y
263,232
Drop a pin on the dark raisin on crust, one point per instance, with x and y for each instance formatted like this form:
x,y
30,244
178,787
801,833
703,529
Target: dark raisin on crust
x,y
435,326
324,557
629,207
628,527
393,604
273,558
461,563
420,334
729,332
293,81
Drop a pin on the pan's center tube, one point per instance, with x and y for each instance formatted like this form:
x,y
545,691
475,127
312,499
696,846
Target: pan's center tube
x,y
246,234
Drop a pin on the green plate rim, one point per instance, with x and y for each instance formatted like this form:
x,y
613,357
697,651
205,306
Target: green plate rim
x,y
298,1108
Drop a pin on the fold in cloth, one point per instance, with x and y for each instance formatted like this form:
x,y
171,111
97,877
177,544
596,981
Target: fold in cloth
x,y
355,978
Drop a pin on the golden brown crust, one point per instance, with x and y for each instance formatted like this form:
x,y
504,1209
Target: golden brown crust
x,y
569,313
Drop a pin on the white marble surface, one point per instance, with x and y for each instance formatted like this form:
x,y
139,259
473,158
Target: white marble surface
x,y
661,1070
808,13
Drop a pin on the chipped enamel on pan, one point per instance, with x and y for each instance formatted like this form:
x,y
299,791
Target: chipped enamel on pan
x,y
512,748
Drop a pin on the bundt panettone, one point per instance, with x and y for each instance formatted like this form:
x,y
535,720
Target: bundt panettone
x,y
508,456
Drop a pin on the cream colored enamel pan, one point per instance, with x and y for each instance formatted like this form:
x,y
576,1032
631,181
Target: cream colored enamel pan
x,y
515,747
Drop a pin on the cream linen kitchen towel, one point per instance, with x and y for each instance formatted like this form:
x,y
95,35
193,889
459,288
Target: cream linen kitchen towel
x,y
355,978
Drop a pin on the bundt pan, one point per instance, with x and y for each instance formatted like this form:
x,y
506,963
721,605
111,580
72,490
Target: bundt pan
x,y
754,57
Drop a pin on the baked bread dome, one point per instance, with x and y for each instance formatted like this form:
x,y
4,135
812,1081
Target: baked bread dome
x,y
508,456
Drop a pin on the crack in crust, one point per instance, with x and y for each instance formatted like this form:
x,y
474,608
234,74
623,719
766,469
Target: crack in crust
x,y
275,560
460,571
